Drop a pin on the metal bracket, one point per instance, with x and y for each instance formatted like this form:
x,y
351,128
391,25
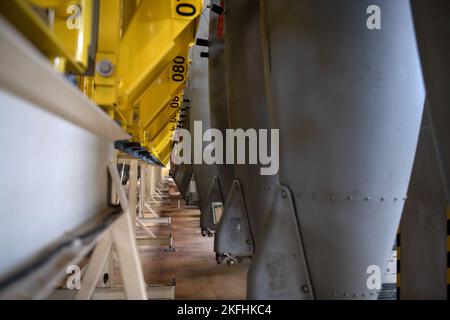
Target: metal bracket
x,y
207,215
120,237
232,236
279,269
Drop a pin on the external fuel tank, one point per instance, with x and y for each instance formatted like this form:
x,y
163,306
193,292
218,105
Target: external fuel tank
x,y
348,101
199,96
217,89
247,109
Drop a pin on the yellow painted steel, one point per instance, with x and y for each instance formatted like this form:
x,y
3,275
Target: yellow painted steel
x,y
155,121
159,139
72,25
155,36
49,3
63,35
150,66
109,31
141,57
146,42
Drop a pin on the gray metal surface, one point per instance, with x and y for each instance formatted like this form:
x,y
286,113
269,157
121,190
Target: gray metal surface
x,y
199,96
348,102
192,194
185,178
218,93
235,239
184,171
278,269
57,145
47,188
214,194
246,100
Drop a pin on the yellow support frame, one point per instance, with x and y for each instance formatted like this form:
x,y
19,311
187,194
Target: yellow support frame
x,y
155,35
155,116
104,91
149,51
162,142
141,58
67,48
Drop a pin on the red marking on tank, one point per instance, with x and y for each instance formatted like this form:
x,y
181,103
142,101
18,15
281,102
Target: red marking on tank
x,y
221,22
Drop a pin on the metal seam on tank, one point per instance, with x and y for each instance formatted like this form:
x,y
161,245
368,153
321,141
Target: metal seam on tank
x,y
335,198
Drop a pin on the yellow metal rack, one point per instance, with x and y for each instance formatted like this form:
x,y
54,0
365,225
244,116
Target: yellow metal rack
x,y
130,57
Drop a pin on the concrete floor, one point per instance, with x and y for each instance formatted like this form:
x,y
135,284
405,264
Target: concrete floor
x,y
193,265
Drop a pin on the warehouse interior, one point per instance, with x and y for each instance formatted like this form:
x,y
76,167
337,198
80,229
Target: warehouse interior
x,y
224,150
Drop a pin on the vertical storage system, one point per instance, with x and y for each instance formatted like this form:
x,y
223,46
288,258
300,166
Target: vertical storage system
x,y
348,102
78,78
247,109
217,86
200,112
428,215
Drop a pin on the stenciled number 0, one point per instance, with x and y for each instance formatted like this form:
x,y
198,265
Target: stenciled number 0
x,y
186,9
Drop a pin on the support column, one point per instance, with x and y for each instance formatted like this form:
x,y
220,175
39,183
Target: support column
x,y
132,195
142,189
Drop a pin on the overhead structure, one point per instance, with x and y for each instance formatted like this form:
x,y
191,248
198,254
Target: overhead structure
x,y
340,109
85,76
131,63
246,110
349,121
